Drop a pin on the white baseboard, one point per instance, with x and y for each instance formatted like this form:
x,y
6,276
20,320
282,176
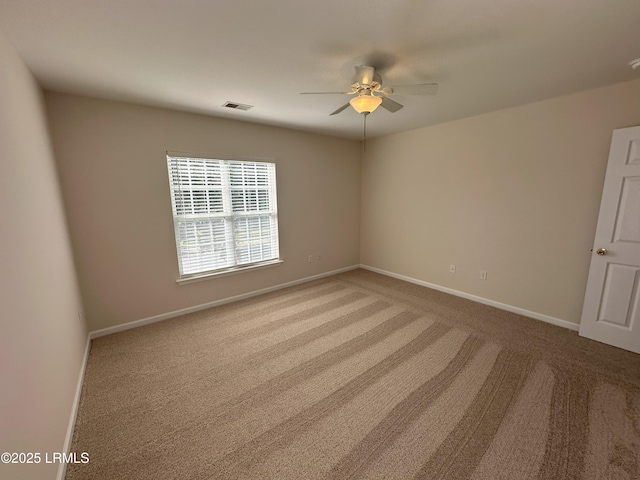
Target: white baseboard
x,y
62,469
204,306
502,306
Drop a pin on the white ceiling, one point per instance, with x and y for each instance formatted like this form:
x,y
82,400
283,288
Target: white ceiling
x,y
194,55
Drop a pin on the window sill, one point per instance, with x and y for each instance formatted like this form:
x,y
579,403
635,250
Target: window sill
x,y
199,277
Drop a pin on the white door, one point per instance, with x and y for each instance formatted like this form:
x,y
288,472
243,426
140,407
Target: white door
x,y
611,311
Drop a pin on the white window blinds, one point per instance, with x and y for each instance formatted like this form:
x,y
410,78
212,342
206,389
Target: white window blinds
x,y
225,213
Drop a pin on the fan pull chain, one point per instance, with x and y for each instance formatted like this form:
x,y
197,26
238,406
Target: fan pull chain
x,y
364,133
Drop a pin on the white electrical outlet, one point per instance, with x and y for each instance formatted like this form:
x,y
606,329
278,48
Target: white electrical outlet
x,y
483,275
452,268
319,256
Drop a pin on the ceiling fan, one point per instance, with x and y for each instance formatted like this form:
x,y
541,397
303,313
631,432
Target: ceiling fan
x,y
370,94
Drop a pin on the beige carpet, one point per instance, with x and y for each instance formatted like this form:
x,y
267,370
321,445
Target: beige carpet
x,y
357,376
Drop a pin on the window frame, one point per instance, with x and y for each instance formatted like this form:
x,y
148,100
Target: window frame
x,y
229,216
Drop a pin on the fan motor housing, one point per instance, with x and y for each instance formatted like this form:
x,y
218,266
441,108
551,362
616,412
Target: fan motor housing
x,y
374,85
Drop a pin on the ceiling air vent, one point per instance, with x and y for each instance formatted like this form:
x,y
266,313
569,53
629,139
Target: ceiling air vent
x,y
237,106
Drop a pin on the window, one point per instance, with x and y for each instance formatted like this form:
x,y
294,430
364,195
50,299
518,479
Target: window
x,y
225,214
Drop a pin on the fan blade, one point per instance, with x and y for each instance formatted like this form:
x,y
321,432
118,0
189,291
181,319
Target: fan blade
x,y
390,105
345,106
364,75
327,93
415,89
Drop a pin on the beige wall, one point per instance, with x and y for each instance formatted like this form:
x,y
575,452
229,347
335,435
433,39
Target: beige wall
x,y
112,164
514,192
42,340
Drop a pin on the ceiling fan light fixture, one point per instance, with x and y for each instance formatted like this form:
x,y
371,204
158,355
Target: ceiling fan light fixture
x,y
365,103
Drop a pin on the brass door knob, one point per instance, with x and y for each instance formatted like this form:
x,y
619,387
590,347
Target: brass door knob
x,y
601,251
